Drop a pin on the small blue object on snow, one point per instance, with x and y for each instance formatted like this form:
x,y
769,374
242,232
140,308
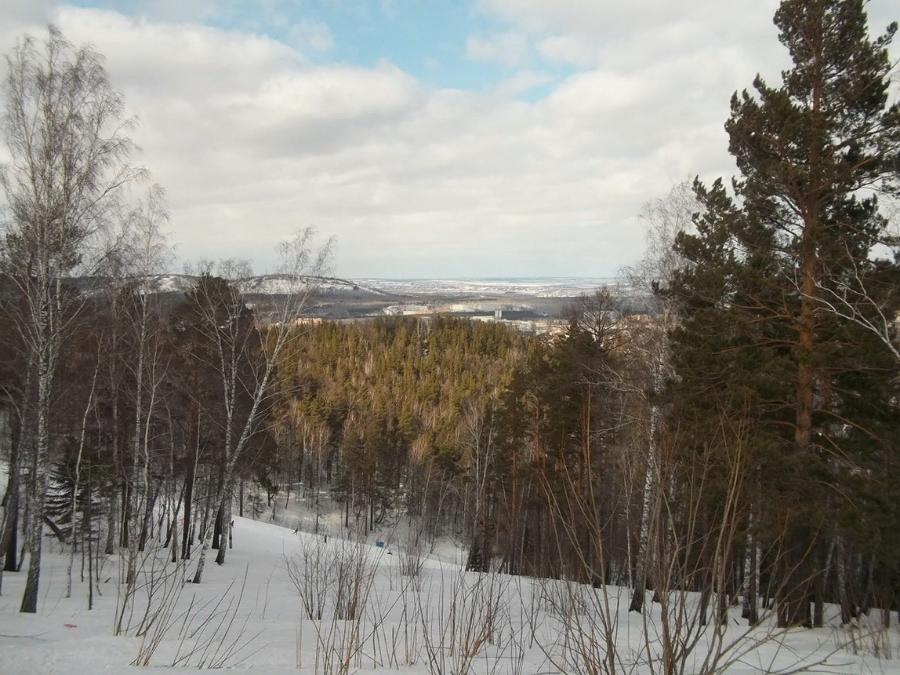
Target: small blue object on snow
x,y
379,544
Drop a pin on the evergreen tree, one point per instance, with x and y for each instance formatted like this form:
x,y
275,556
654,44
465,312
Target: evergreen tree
x,y
812,154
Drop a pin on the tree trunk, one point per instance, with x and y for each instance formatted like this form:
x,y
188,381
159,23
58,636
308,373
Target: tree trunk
x,y
126,514
188,497
794,590
217,530
230,522
819,594
11,529
90,533
704,605
148,518
74,507
115,488
40,479
26,513
111,507
643,564
841,568
751,582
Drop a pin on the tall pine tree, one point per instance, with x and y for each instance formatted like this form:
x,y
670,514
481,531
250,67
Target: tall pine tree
x,y
812,153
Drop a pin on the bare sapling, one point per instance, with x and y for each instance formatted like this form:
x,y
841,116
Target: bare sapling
x,y
209,635
586,615
311,571
412,549
464,621
342,632
77,483
145,579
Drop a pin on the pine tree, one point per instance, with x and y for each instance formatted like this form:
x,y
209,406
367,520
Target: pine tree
x,y
812,153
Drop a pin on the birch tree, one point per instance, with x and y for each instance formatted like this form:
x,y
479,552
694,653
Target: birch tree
x,y
145,254
665,219
245,360
66,134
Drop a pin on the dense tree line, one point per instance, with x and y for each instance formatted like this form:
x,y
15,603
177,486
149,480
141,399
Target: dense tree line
x,y
377,409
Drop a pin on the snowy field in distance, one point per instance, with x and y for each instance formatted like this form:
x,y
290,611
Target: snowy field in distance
x,y
540,287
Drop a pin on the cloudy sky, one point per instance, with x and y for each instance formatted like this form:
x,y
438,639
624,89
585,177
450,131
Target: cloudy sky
x,y
432,138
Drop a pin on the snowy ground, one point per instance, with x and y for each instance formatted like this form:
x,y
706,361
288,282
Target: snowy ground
x,y
432,623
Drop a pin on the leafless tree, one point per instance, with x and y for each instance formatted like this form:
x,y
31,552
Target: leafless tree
x,y
65,131
299,270
144,254
665,219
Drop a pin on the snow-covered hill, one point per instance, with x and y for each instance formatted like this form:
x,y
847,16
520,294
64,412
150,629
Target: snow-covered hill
x,y
267,284
539,287
248,616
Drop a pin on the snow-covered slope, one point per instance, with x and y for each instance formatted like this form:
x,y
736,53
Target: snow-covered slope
x,y
248,616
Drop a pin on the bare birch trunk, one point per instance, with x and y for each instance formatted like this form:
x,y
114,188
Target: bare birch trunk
x,y
40,481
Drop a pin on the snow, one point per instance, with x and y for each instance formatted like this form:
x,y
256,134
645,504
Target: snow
x,y
274,284
266,284
401,612
277,284
542,287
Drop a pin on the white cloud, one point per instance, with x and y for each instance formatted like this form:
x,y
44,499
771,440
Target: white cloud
x,y
523,82
16,15
569,50
252,140
182,61
309,34
612,17
508,49
637,32
17,12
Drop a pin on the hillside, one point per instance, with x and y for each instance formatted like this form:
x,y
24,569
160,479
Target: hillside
x,y
248,616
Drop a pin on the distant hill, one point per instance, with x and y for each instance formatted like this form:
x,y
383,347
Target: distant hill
x,y
265,284
337,298
534,287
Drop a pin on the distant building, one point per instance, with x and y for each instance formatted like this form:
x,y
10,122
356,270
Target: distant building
x,y
407,310
308,321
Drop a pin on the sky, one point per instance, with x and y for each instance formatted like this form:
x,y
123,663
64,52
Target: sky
x,y
430,138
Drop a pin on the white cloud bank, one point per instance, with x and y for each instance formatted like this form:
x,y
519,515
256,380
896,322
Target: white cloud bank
x,y
252,141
